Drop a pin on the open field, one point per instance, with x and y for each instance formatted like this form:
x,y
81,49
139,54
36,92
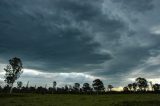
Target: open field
x,y
80,100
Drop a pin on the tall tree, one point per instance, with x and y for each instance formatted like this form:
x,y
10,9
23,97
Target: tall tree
x,y
70,87
86,87
76,86
66,88
98,85
134,85
110,87
54,84
142,83
130,87
156,87
13,71
27,84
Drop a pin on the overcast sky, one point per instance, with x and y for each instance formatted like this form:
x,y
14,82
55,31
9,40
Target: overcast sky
x,y
72,41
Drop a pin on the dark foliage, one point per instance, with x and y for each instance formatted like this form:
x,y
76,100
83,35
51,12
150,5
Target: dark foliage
x,y
98,85
13,71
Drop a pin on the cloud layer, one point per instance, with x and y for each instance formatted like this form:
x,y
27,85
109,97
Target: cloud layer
x,y
102,38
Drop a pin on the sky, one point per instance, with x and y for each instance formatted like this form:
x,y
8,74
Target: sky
x,y
70,41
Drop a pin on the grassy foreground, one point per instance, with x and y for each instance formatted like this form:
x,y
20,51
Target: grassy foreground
x,y
80,100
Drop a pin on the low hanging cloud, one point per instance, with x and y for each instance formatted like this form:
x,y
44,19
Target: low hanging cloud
x,y
48,36
42,78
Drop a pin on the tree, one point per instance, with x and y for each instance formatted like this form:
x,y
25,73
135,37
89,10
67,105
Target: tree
x,y
134,85
66,88
86,87
156,87
70,88
125,89
54,84
19,84
13,71
76,86
130,87
142,83
27,84
98,85
110,87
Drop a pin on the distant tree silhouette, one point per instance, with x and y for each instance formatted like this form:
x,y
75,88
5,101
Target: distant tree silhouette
x,y
130,87
27,84
54,84
98,85
134,85
156,87
110,87
66,88
35,86
70,88
13,71
32,89
142,83
76,86
41,90
19,84
86,87
125,89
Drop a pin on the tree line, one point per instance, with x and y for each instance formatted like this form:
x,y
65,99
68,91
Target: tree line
x,y
14,70
142,85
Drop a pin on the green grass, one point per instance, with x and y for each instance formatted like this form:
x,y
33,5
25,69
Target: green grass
x,y
80,100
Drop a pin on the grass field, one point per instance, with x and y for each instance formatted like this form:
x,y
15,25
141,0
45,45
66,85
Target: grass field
x,y
80,100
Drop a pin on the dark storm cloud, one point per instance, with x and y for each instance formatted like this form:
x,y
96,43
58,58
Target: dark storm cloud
x,y
135,44
136,5
134,52
55,34
126,60
94,36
